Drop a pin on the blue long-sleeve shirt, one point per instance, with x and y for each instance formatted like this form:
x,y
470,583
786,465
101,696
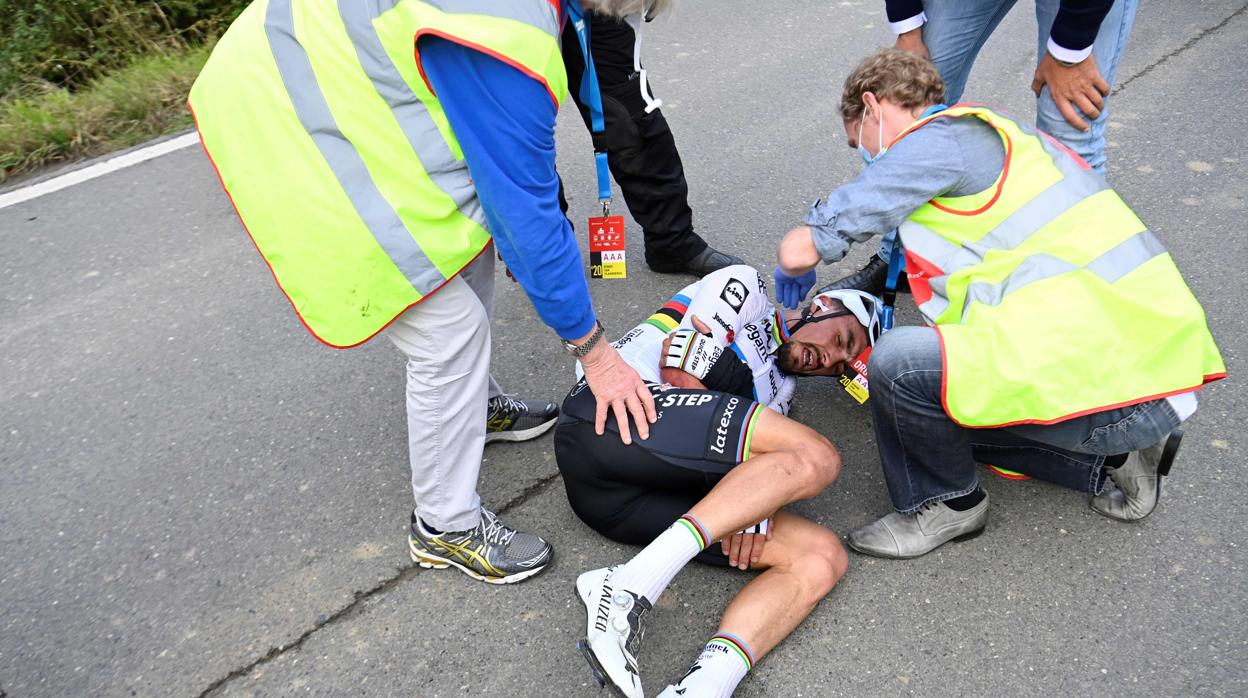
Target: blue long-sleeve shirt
x,y
947,157
505,123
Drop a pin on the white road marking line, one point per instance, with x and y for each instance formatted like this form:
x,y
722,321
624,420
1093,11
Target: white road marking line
x,y
99,169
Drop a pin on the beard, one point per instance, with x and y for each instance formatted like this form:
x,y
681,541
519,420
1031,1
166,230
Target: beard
x,y
786,358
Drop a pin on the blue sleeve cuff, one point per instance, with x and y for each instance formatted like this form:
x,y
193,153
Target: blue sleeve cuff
x,y
580,329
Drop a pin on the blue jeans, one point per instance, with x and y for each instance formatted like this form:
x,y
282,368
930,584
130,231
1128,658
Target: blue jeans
x,y
957,29
927,457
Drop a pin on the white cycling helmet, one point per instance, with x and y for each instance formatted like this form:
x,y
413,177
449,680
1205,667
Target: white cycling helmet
x,y
862,305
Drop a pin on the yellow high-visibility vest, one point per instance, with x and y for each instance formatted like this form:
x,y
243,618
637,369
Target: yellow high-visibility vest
x,y
338,156
1051,298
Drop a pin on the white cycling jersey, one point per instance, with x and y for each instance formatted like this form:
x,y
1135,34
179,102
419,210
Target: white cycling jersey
x,y
735,305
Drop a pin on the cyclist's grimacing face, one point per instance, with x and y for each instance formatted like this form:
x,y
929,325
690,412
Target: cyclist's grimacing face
x,y
823,348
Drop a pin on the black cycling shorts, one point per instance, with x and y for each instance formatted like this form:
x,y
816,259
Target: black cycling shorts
x,y
632,493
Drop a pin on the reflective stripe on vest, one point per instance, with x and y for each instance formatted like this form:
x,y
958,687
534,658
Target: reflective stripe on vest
x,y
1126,257
531,13
343,158
337,155
1051,297
1009,233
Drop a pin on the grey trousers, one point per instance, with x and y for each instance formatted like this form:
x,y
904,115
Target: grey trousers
x,y
446,339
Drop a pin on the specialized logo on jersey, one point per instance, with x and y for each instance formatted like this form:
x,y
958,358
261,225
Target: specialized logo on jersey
x,y
734,294
632,334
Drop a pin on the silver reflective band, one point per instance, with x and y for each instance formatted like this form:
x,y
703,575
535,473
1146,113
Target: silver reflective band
x,y
1111,266
939,301
537,13
340,154
1031,217
1075,186
446,172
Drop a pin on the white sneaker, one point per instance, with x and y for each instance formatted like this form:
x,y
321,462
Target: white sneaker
x,y
612,631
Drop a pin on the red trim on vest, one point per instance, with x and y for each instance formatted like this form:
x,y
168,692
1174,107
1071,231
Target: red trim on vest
x,y
464,42
1007,474
251,237
1005,171
944,397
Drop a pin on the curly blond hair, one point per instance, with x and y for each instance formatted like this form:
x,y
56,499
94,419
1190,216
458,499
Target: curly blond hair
x,y
895,75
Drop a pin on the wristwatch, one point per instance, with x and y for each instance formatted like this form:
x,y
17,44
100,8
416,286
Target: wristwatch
x,y
589,344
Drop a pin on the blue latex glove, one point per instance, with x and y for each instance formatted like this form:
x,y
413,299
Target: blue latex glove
x,y
791,291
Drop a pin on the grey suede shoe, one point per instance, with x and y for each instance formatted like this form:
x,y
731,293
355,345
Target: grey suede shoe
x,y
1138,481
900,537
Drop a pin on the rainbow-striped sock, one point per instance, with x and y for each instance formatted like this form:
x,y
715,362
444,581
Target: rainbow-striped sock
x,y
724,661
649,573
697,529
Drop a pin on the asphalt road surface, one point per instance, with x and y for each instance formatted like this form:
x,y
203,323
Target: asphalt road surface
x,y
197,498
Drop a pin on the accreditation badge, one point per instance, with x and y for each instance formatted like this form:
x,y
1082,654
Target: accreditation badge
x,y
854,380
606,248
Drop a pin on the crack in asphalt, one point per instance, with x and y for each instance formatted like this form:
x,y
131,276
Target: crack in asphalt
x,y
1186,45
356,603
528,492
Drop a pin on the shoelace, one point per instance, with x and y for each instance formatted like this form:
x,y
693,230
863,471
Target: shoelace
x,y
494,531
507,403
928,507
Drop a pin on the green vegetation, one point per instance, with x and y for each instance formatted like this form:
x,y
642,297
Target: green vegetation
x,y
80,78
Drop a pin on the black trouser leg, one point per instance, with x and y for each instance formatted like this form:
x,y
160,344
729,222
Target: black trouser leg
x,y
641,150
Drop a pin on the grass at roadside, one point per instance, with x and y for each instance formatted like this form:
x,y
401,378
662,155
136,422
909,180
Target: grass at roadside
x,y
139,102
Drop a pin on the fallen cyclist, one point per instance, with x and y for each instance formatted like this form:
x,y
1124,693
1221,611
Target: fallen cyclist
x,y
710,481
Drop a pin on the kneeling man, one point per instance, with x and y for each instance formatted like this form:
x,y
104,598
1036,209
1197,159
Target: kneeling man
x,y
718,461
1062,339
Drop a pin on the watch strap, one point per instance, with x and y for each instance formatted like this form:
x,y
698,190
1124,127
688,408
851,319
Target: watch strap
x,y
588,345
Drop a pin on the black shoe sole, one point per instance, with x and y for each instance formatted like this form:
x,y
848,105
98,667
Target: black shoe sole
x,y
595,668
969,535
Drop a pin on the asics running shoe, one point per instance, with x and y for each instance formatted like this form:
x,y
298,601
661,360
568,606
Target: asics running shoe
x,y
509,419
612,632
491,552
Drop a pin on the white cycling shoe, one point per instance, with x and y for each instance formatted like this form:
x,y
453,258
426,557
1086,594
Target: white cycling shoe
x,y
612,632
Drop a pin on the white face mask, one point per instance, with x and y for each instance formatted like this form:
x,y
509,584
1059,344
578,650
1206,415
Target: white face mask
x,y
867,157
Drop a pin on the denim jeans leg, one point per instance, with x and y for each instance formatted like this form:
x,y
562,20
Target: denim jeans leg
x,y
925,455
954,33
1111,42
1003,448
1072,453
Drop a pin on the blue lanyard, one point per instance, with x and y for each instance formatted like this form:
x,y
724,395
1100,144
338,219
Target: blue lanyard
x,y
890,284
590,95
